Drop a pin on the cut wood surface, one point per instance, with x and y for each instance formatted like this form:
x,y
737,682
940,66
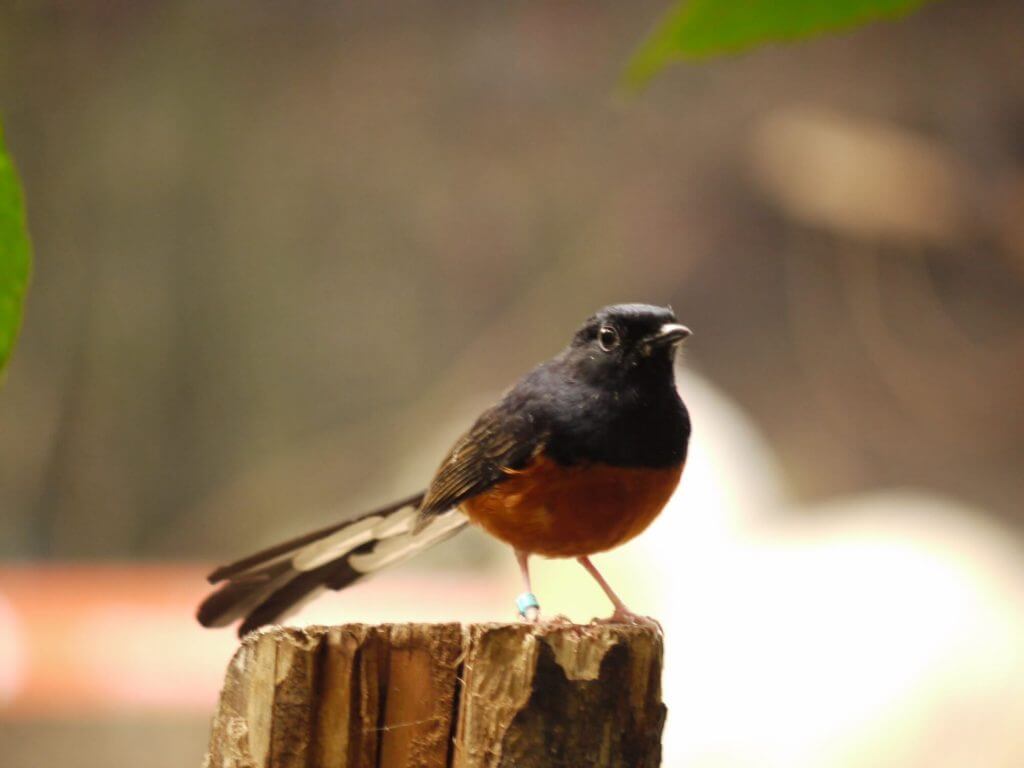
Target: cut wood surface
x,y
439,695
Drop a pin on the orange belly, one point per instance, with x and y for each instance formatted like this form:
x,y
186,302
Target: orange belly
x,y
559,511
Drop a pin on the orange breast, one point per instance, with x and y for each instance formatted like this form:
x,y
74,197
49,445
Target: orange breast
x,y
561,511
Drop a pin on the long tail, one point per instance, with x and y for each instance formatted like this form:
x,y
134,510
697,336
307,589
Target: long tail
x,y
266,586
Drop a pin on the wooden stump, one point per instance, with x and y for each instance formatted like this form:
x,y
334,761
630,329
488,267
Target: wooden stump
x,y
440,695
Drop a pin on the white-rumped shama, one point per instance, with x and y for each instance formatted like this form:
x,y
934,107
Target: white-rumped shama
x,y
578,457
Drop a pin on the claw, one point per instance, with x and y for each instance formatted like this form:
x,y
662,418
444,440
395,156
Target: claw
x,y
530,616
626,616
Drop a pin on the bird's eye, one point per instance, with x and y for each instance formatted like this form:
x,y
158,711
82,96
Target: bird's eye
x,y
608,338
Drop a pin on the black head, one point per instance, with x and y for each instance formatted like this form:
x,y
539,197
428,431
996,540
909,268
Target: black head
x,y
625,340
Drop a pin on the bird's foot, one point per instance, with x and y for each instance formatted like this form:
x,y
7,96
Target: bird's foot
x,y
533,616
625,616
528,607
530,616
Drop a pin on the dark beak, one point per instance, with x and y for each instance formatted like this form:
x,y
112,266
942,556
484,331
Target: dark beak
x,y
669,334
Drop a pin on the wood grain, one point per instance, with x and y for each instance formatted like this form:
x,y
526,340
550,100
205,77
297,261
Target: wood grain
x,y
442,696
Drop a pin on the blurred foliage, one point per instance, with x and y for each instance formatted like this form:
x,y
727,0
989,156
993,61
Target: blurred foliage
x,y
698,28
15,254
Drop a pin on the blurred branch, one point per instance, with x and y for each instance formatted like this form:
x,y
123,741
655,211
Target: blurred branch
x,y
881,190
890,202
984,415
694,29
860,178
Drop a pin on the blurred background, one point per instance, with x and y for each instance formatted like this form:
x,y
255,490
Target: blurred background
x,y
284,254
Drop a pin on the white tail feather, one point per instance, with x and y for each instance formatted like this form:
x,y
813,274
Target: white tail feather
x,y
397,548
337,544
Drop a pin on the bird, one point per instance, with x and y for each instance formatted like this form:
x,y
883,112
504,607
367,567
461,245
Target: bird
x,y
579,456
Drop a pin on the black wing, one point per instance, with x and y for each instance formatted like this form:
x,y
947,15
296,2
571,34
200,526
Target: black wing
x,y
502,439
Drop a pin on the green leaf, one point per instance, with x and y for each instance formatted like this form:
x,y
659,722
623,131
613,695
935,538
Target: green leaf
x,y
15,254
698,28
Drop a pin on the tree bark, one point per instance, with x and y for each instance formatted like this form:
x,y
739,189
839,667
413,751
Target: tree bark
x,y
440,696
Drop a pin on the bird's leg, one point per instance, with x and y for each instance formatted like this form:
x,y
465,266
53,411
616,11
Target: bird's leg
x,y
622,614
529,608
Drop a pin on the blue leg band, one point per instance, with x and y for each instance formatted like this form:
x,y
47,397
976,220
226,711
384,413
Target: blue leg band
x,y
526,601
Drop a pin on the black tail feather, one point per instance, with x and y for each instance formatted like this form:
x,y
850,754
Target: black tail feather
x,y
233,599
285,547
264,587
336,574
